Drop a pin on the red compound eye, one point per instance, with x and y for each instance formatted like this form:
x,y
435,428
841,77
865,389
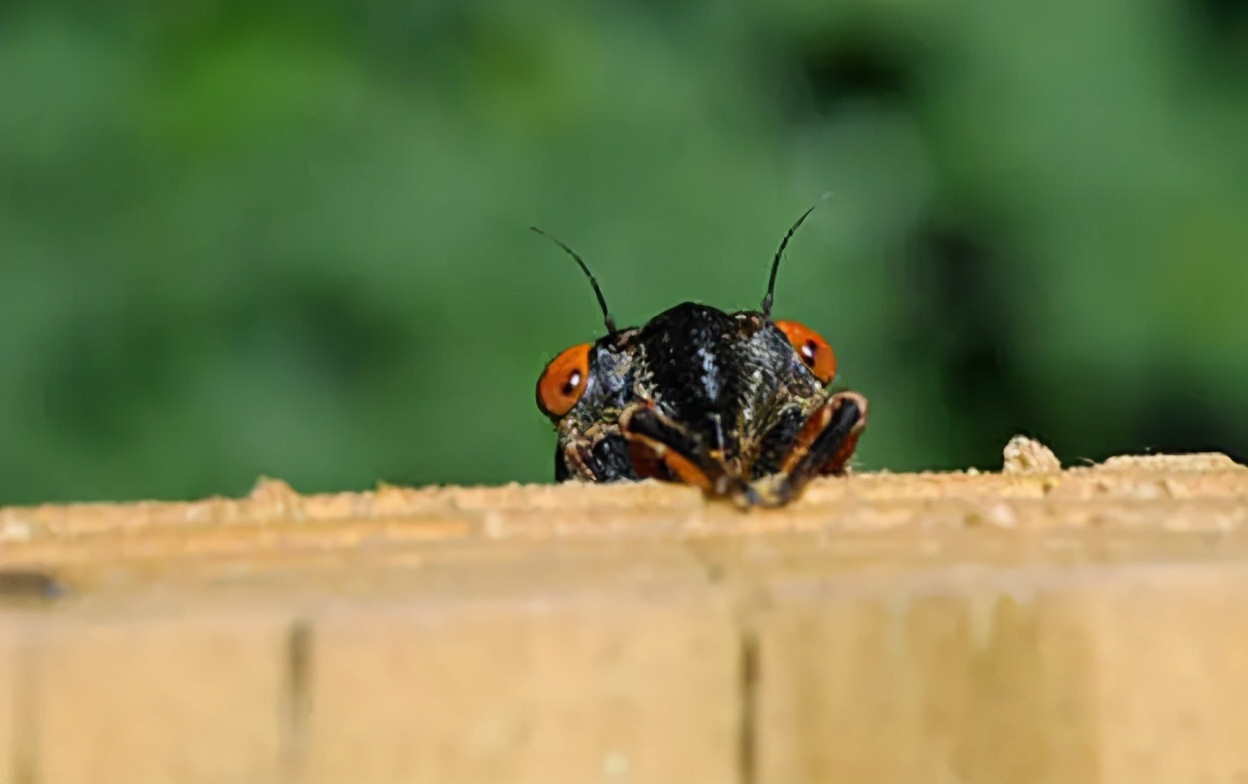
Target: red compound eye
x,y
812,348
563,381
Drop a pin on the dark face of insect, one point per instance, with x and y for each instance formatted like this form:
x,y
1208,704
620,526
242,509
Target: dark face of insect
x,y
731,402
734,403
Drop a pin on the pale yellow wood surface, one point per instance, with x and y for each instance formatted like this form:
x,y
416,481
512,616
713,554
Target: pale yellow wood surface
x,y
1085,626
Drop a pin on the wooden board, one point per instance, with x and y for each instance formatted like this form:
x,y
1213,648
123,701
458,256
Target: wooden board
x,y
1030,625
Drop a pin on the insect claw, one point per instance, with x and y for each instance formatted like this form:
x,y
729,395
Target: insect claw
x,y
752,496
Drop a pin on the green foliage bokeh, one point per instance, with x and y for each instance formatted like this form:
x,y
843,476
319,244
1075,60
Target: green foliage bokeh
x,y
291,238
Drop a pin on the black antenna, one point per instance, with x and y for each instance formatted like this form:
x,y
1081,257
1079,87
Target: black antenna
x,y
775,264
602,302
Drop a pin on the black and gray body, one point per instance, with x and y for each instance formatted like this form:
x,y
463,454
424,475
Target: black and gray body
x,y
725,393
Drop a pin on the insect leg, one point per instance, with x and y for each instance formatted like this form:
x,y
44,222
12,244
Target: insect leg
x,y
604,459
663,449
833,440
823,445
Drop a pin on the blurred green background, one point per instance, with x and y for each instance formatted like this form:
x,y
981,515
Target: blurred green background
x,y
290,238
